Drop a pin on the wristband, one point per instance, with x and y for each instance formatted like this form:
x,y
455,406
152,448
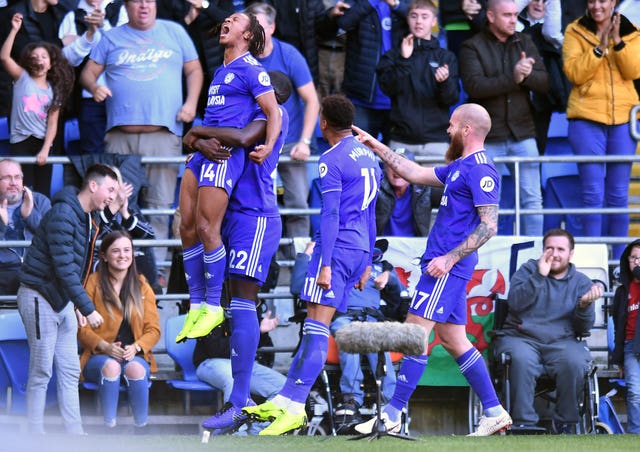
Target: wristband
x,y
306,141
619,46
598,52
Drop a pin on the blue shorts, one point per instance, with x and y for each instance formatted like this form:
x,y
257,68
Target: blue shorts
x,y
346,268
251,242
223,174
443,300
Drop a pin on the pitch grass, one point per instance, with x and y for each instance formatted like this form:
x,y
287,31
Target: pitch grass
x,y
184,443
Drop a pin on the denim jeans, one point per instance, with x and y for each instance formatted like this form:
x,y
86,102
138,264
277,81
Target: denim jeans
x,y
530,188
352,377
265,381
109,389
632,378
603,184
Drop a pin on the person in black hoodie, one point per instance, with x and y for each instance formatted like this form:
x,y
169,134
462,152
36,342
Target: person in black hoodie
x,y
52,300
421,78
626,350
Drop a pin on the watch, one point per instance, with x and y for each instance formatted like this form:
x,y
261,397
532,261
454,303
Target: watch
x,y
306,141
598,52
205,4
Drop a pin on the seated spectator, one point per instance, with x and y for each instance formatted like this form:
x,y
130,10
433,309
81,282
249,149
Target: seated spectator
x,y
550,305
213,365
626,351
43,79
382,288
598,111
403,209
20,213
421,78
120,215
120,348
80,31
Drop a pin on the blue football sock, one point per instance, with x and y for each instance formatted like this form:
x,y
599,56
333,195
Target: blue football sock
x,y
193,258
215,263
308,362
475,371
245,335
411,370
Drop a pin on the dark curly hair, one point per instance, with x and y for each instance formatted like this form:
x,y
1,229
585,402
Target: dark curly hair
x,y
61,76
256,43
338,111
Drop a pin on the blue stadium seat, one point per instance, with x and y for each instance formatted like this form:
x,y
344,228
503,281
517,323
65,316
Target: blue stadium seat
x,y
14,361
4,135
182,354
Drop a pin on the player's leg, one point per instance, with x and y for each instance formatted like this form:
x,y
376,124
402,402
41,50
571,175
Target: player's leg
x,y
193,251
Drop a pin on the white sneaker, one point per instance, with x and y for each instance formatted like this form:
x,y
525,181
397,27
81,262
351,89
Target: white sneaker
x,y
367,427
490,425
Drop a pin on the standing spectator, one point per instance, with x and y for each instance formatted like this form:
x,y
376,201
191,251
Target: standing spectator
x,y
121,215
121,346
373,28
461,20
543,25
51,290
550,307
626,350
422,81
331,56
601,60
468,217
141,59
43,81
341,259
80,31
303,107
20,213
402,209
500,68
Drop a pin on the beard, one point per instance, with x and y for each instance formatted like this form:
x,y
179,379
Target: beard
x,y
454,152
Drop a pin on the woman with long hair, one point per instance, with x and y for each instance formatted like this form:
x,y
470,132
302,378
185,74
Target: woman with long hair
x,y
120,348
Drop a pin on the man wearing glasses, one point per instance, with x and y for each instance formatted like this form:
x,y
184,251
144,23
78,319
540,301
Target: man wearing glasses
x,y
20,213
144,62
550,306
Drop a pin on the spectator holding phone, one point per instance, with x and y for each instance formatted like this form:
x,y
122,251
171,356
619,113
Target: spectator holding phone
x,y
120,348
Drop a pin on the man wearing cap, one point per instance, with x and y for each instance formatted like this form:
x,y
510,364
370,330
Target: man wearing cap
x,y
403,209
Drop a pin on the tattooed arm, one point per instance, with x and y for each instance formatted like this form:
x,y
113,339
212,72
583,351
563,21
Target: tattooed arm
x,y
486,229
408,170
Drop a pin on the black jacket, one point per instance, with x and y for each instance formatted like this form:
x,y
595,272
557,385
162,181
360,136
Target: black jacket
x,y
419,104
620,309
420,207
486,69
32,30
364,46
58,261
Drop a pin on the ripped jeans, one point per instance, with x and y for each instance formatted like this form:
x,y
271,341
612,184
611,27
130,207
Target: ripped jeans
x,y
109,390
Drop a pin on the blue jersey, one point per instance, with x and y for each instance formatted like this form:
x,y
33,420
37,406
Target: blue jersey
x,y
469,182
231,100
254,193
349,181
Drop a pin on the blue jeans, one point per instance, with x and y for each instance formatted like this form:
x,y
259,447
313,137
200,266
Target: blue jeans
x,y
265,381
351,378
373,121
530,188
632,378
109,390
603,184
92,122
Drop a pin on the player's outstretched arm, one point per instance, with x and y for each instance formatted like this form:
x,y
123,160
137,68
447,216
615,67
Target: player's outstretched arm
x,y
407,169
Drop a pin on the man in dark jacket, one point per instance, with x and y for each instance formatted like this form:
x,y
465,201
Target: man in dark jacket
x,y
422,81
626,350
550,304
52,286
20,213
499,69
373,28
